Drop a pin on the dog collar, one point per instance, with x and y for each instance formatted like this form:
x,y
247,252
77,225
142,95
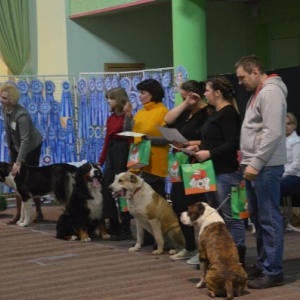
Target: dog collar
x,y
138,189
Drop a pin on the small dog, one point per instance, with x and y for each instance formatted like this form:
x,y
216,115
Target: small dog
x,y
83,213
31,182
220,269
151,211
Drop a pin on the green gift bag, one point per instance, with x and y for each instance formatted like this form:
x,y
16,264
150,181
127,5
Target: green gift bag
x,y
175,161
239,202
199,178
139,154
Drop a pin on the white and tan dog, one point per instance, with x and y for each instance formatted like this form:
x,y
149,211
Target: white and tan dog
x,y
152,212
221,271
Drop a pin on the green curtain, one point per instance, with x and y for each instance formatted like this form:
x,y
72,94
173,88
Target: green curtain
x,y
14,34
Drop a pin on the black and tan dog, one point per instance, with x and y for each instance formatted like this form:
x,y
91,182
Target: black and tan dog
x,y
83,213
152,212
57,179
221,271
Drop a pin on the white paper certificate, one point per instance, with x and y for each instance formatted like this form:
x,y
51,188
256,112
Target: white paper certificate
x,y
131,133
172,134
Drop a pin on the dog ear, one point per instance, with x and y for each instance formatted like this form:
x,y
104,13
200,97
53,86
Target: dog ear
x,y
133,178
200,208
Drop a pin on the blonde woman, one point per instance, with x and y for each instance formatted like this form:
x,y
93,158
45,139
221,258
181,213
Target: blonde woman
x,y
23,140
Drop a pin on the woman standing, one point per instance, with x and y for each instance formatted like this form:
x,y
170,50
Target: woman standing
x,y
146,121
187,118
220,142
115,154
23,140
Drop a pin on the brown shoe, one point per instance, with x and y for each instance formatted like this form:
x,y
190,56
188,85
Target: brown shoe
x,y
38,218
14,220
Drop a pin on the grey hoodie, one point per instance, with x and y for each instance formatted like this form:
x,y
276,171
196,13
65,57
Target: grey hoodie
x,y
263,129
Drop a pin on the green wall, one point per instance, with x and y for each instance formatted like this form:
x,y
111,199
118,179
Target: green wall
x,y
135,36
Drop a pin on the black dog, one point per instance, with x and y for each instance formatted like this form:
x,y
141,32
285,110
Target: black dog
x,y
83,213
57,179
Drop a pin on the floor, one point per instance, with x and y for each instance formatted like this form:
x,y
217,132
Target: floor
x,y
36,265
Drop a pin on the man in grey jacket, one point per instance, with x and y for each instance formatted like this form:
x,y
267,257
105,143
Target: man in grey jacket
x,y
263,157
23,140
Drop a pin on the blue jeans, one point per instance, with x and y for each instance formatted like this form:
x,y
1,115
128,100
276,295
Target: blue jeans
x,y
264,207
224,184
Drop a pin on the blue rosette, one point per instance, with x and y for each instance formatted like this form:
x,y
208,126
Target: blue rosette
x,y
156,76
135,81
49,87
166,80
36,86
66,86
115,81
146,76
93,102
100,84
45,107
92,84
23,87
172,95
66,105
70,132
81,86
125,83
107,83
62,134
55,107
91,132
32,108
98,132
51,134
133,97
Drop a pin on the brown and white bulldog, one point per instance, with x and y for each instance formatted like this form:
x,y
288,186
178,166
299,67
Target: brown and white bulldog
x,y
151,211
221,271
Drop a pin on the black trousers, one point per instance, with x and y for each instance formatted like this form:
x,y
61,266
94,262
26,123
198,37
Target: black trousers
x,y
116,162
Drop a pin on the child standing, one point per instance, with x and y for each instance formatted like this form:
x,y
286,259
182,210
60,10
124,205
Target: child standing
x,y
115,155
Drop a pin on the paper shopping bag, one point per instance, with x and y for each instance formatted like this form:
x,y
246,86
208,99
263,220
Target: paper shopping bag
x,y
139,154
239,202
175,160
199,178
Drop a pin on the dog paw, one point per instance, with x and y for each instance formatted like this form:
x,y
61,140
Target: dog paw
x,y
172,251
134,249
157,252
22,224
87,239
105,236
73,238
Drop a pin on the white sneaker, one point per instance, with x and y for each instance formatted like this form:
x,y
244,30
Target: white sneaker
x,y
183,254
194,260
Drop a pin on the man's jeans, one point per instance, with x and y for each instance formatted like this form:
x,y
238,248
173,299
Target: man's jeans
x,y
224,184
264,207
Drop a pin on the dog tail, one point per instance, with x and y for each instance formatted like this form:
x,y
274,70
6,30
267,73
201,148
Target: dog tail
x,y
229,289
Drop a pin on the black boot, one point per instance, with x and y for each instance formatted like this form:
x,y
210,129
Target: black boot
x,y
242,254
124,232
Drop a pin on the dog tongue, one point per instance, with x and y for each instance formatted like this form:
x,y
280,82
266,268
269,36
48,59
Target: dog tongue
x,y
96,182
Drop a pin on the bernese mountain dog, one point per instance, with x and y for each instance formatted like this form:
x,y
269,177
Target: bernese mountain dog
x,y
31,182
83,213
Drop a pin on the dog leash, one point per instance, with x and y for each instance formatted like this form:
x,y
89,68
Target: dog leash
x,y
222,203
